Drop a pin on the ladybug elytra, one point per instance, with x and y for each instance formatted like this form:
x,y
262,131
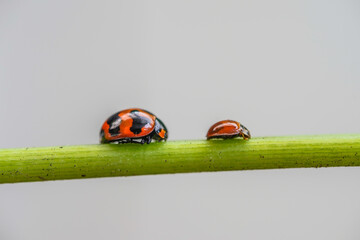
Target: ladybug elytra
x,y
133,125
228,129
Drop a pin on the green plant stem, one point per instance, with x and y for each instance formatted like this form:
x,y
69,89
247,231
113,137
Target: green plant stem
x,y
108,160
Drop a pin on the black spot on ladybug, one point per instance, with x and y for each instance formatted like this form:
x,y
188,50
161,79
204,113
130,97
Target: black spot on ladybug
x,y
114,124
138,122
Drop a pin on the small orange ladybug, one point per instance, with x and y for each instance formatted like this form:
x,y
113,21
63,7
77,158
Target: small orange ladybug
x,y
133,125
228,129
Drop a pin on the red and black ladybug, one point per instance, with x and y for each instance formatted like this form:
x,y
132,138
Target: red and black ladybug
x,y
228,129
133,125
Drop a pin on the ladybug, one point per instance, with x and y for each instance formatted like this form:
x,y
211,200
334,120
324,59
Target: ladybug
x,y
228,129
133,125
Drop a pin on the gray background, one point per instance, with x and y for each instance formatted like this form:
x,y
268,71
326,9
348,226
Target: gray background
x,y
280,67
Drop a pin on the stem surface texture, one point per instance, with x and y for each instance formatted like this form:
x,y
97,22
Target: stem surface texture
x,y
107,160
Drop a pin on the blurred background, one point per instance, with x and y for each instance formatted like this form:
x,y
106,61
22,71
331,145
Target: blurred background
x,y
279,67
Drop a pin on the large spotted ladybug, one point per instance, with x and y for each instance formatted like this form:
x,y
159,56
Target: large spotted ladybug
x,y
228,129
133,125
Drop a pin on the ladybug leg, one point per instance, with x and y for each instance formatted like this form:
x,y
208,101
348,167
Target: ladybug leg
x,y
136,141
148,140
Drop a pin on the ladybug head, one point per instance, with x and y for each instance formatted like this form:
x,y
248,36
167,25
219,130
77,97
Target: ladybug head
x,y
244,132
160,130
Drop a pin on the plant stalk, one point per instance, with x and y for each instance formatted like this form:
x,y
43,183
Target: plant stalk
x,y
109,160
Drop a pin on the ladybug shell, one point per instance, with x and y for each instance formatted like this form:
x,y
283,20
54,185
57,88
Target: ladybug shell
x,y
129,123
228,129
